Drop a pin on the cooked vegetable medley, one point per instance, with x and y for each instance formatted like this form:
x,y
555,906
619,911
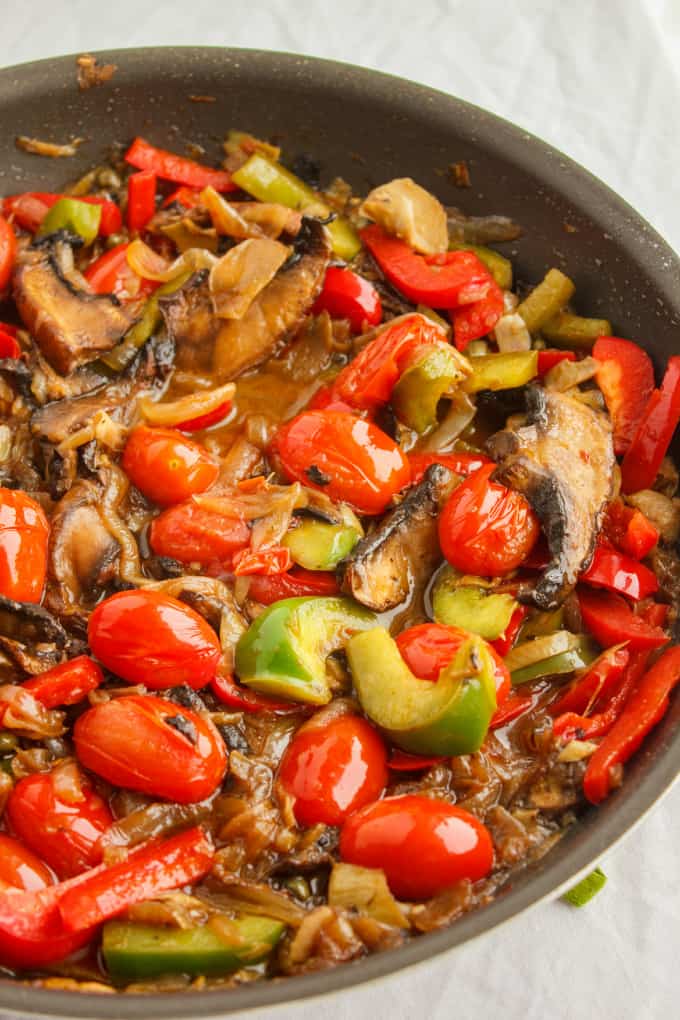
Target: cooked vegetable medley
x,y
338,568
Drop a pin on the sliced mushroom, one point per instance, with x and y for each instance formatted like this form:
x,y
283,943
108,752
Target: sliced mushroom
x,y
70,324
403,208
83,555
242,273
403,551
562,460
31,640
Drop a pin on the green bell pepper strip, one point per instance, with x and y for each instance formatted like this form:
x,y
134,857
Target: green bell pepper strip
x,y
316,545
140,951
270,182
284,650
433,371
82,218
546,300
567,330
502,371
448,717
497,264
585,652
587,888
471,607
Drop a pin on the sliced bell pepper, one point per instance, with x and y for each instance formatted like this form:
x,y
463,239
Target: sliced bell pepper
x,y
346,295
461,603
546,300
297,583
439,281
428,374
629,530
611,621
284,650
112,274
274,559
188,197
478,318
504,642
8,251
548,359
595,685
316,545
134,952
66,684
32,932
30,209
74,215
178,169
626,377
560,664
497,264
502,371
226,690
450,716
568,330
619,573
207,420
458,461
646,705
141,199
9,346
402,761
650,443
512,708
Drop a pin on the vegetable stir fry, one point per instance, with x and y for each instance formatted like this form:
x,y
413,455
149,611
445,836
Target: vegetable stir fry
x,y
328,549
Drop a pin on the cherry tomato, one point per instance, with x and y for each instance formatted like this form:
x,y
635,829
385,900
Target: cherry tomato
x,y
8,251
349,459
191,534
345,295
24,533
204,421
20,868
166,466
148,637
459,462
422,845
333,769
111,274
429,647
65,834
148,744
486,528
66,684
294,584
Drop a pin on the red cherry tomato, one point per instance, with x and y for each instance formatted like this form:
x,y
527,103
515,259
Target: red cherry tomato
x,y
149,638
204,421
24,533
422,845
331,770
429,647
459,462
191,534
146,743
349,459
8,251
65,834
166,466
345,295
20,868
485,528
294,584
111,274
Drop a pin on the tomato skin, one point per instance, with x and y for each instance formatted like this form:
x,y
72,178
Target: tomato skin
x,y
20,868
129,742
293,584
422,845
24,533
66,835
8,251
485,528
166,466
332,770
190,533
151,638
364,467
429,647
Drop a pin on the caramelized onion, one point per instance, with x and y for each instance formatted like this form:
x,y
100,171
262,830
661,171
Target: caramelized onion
x,y
240,275
148,264
194,405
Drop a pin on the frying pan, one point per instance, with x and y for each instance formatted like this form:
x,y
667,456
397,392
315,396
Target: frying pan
x,y
368,127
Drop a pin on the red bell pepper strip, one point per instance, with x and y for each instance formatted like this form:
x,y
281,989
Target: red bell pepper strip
x,y
629,530
439,281
111,274
345,295
8,252
645,707
66,684
460,462
548,359
172,167
204,421
475,320
9,347
275,559
188,197
596,684
296,583
515,706
32,933
230,693
572,725
626,377
30,209
402,761
141,199
651,441
611,621
612,570
504,643
155,868
654,613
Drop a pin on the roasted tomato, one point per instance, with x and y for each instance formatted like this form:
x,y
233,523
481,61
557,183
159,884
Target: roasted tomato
x,y
428,649
146,743
191,534
485,528
24,533
20,868
65,832
423,845
332,769
346,457
147,637
166,466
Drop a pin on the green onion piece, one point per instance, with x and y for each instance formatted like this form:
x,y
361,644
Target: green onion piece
x,y
586,889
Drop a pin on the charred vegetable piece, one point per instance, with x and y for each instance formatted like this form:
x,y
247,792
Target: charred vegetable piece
x,y
562,460
502,371
404,549
546,300
432,372
458,602
284,651
316,545
450,716
124,352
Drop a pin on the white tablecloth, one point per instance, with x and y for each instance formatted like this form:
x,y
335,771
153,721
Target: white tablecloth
x,y
601,81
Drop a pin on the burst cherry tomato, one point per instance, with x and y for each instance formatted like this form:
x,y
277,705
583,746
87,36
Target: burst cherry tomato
x,y
166,466
146,743
486,528
428,648
348,458
66,834
148,637
23,546
191,534
20,868
8,251
332,769
422,845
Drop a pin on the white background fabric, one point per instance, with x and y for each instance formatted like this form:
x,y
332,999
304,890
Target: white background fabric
x,y
601,81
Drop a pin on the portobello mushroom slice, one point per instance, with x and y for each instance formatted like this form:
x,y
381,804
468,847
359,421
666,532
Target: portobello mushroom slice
x,y
70,324
404,550
226,349
562,460
83,555
31,640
